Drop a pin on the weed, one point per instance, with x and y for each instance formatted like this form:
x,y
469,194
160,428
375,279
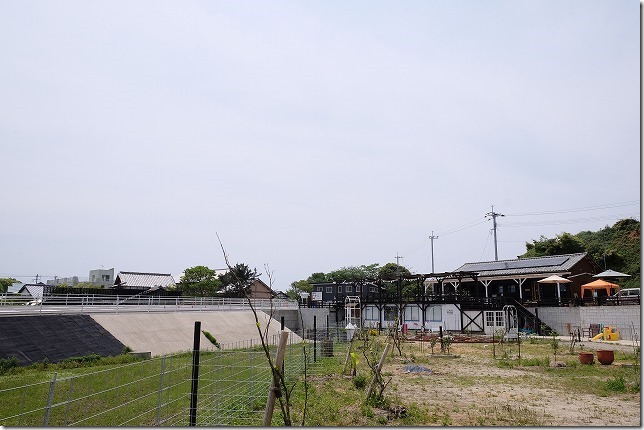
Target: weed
x,y
360,381
616,384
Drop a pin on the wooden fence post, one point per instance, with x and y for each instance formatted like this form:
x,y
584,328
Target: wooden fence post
x,y
279,361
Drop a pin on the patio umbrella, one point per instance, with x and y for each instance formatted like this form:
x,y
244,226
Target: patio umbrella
x,y
555,279
611,274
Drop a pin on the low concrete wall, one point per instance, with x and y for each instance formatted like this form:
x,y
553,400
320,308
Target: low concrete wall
x,y
294,323
624,318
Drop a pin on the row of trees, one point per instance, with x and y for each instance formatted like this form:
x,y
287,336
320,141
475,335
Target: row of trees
x,y
390,271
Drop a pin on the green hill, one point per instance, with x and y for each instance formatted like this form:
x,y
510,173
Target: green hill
x,y
616,247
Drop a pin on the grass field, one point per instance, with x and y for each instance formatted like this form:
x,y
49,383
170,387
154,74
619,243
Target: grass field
x,y
469,386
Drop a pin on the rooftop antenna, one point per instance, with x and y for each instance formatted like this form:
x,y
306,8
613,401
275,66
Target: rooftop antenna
x,y
494,215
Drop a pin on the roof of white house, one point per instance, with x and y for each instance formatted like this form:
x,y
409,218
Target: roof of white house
x,y
35,290
144,280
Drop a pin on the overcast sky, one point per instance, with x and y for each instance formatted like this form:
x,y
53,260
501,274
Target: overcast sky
x,y
310,135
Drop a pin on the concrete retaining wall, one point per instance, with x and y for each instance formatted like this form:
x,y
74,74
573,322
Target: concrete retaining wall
x,y
293,322
623,317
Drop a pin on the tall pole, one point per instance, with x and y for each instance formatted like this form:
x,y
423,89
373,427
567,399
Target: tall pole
x,y
432,237
494,215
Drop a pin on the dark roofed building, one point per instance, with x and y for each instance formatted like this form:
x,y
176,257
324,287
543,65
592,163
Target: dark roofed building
x,y
518,278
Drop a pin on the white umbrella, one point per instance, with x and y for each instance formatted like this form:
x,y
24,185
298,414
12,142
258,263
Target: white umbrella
x,y
555,279
611,274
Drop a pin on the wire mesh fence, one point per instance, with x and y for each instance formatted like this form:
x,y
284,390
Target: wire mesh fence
x,y
233,386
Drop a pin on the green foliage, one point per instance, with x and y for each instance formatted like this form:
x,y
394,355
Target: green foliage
x,y
353,273
392,271
616,247
199,281
6,364
564,243
616,384
5,283
211,339
298,287
238,279
360,381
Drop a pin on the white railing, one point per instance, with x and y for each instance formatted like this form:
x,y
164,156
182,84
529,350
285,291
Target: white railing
x,y
73,304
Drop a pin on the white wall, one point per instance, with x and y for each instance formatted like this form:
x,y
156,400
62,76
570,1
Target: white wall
x,y
621,317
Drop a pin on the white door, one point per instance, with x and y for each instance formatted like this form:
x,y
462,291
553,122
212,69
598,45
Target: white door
x,y
494,320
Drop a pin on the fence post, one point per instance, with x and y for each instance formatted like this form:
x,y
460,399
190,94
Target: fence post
x,y
160,396
250,367
315,337
195,375
50,400
272,395
69,399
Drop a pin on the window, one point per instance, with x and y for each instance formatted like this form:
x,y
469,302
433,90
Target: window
x,y
372,289
319,288
329,289
412,313
349,289
495,319
371,313
391,312
339,288
357,288
435,313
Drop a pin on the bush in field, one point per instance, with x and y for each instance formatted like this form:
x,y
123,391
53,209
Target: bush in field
x,y
6,364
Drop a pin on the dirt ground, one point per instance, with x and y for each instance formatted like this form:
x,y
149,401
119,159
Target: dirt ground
x,y
471,390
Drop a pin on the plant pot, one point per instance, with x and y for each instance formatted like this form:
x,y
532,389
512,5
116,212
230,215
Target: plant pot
x,y
605,356
586,358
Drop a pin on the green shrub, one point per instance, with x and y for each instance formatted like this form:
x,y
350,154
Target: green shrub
x,y
6,364
616,384
360,381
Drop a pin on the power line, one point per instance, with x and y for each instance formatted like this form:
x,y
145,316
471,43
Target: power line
x,y
559,222
561,211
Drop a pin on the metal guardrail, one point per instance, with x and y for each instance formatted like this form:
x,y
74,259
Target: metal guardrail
x,y
79,304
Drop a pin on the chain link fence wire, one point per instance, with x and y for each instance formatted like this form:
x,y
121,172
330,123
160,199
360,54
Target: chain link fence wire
x,y
233,386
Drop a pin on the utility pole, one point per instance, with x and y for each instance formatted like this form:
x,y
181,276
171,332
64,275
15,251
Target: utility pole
x,y
432,237
494,215
398,264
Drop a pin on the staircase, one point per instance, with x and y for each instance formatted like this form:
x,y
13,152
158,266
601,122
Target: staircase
x,y
539,327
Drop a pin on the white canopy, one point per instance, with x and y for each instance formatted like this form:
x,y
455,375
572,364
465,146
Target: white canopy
x,y
611,274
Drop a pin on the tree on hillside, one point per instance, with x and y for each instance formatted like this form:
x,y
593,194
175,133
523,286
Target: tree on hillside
x,y
199,281
5,283
238,279
565,243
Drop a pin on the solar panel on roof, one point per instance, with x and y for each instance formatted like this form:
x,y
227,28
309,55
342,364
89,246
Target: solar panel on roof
x,y
519,264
